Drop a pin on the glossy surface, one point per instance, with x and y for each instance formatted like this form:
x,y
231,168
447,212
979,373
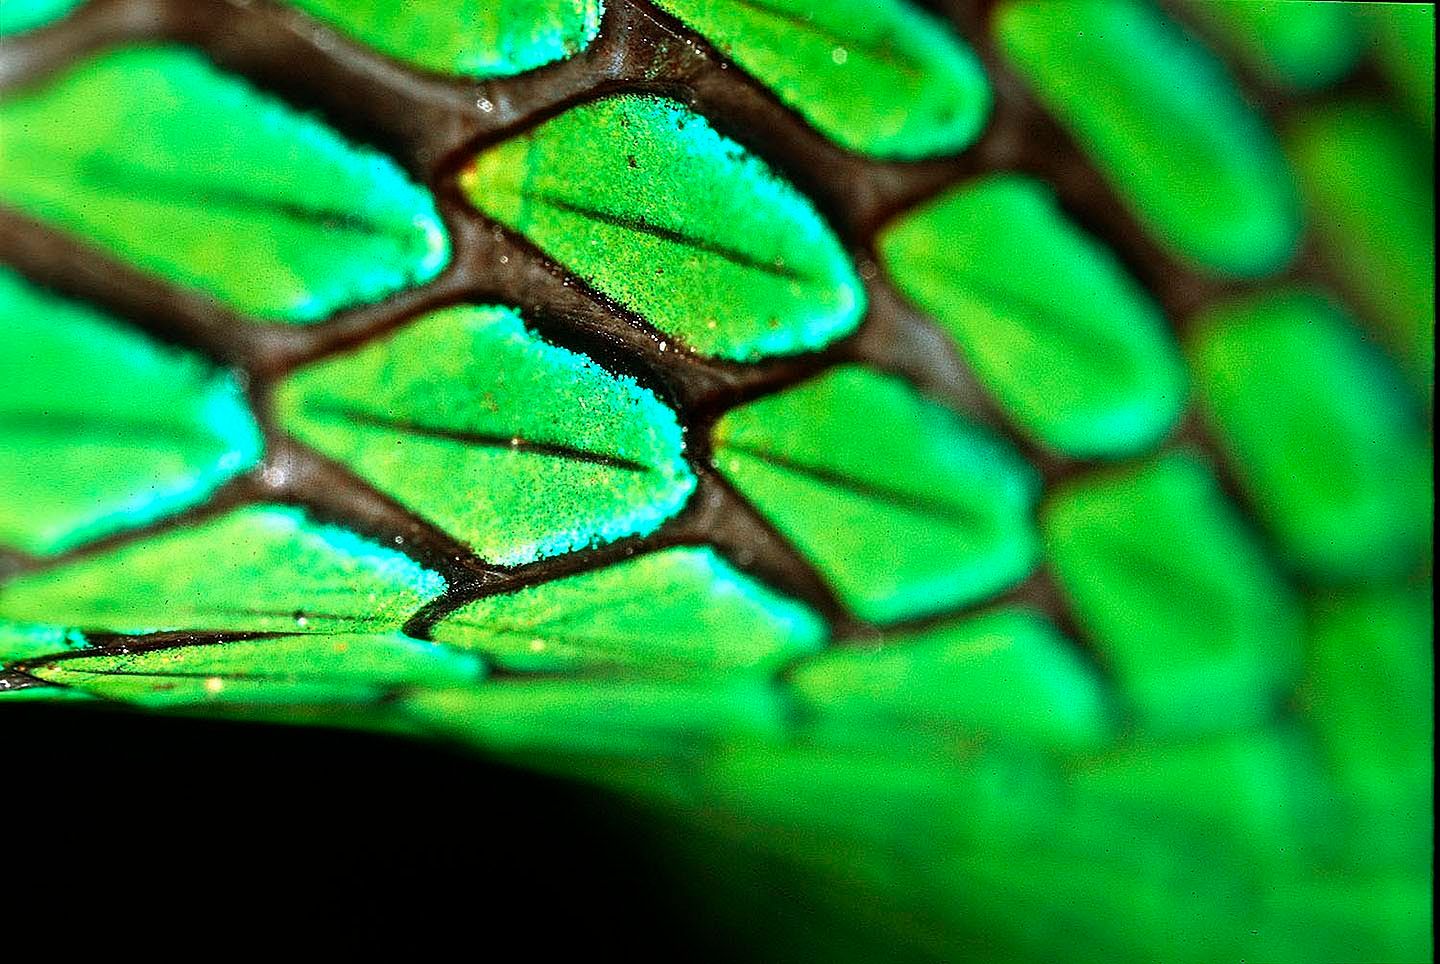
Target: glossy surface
x,y
160,159
104,429
519,448
643,199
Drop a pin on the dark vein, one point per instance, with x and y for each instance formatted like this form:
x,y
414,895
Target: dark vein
x,y
327,409
108,427
218,674
113,176
640,225
909,501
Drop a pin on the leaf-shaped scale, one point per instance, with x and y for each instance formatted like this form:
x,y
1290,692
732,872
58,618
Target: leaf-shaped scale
x,y
1368,180
1165,123
1371,694
1176,592
520,448
302,669
904,506
878,76
103,428
1321,433
264,568
643,199
676,611
470,38
1005,675
1071,347
154,155
20,15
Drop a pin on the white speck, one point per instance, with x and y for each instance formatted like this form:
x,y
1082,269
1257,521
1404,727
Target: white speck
x,y
839,55
302,621
274,475
537,645
504,259
486,105
664,345
214,684
399,540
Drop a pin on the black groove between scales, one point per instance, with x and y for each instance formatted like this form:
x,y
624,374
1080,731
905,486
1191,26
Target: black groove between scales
x,y
434,126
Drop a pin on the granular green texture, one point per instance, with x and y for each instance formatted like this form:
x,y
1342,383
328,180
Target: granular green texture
x,y
471,38
1124,80
878,76
1073,349
1342,477
519,448
1297,45
333,669
1367,177
156,156
103,428
1405,48
643,199
904,506
1007,675
263,568
680,611
1176,593
20,15
1370,691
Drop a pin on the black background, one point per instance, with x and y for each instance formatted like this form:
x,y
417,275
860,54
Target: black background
x,y
239,833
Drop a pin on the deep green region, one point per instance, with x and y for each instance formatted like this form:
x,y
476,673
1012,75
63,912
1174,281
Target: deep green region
x,y
679,611
262,568
1301,46
158,158
905,507
519,448
643,199
1007,675
1321,432
1367,176
877,76
469,38
105,429
1123,80
1073,349
1173,587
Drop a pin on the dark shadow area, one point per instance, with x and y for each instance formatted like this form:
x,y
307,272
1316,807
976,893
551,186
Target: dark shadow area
x,y
150,822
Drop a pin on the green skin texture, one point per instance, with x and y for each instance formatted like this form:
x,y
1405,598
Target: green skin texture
x,y
1343,478
522,449
1123,79
1368,179
1071,347
1219,769
166,163
876,76
261,569
906,508
1157,554
468,38
104,429
340,668
676,612
21,15
1303,46
1008,671
640,197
